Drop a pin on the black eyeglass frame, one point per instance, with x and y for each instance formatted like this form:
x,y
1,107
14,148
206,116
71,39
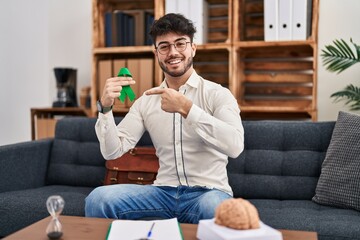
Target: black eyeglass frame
x,y
169,44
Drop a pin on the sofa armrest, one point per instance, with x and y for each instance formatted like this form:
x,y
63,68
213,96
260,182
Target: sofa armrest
x,y
24,165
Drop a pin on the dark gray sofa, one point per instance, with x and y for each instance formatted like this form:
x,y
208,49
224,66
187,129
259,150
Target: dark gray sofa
x,y
278,172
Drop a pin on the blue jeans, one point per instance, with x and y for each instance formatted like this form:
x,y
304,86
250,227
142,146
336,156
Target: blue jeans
x,y
130,201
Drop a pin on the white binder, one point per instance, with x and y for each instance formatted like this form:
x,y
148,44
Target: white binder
x,y
170,6
301,22
285,20
183,7
271,20
198,13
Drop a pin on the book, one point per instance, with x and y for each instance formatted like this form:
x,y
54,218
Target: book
x,y
149,19
209,230
130,33
138,229
146,77
109,27
133,64
121,25
104,72
139,26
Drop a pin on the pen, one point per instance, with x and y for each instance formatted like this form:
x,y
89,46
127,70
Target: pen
x,y
150,231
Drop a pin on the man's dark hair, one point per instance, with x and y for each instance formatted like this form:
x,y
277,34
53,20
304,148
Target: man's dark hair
x,y
172,22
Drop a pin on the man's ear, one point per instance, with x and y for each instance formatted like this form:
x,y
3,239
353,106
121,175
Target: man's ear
x,y
155,52
193,46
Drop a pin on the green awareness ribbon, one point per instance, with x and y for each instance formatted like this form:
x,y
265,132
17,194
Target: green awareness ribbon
x,y
126,90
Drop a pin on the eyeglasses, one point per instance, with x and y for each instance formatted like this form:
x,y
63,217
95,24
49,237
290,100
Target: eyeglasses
x,y
164,48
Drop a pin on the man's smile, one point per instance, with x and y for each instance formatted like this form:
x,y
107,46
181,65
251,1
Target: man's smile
x,y
174,61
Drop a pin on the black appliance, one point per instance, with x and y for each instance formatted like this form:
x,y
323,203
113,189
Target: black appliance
x,y
66,87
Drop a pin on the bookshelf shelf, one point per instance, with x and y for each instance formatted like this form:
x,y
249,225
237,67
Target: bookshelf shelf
x,y
212,46
122,50
270,79
245,44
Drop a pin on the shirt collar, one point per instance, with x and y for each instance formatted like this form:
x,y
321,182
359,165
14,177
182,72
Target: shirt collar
x,y
193,81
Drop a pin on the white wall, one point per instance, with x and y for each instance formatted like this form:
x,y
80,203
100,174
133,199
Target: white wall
x,y
38,35
338,19
35,37
23,65
70,40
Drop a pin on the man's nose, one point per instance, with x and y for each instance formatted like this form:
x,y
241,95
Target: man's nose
x,y
172,49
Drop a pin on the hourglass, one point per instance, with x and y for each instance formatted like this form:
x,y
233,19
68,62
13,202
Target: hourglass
x,y
55,205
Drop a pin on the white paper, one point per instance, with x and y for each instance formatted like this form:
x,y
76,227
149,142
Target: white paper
x,y
136,229
209,230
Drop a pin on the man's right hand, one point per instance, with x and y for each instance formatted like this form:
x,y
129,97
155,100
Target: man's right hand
x,y
112,89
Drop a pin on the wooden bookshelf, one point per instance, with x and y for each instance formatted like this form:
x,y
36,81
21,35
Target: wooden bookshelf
x,y
270,80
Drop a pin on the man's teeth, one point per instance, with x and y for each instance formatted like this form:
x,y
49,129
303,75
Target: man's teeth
x,y
174,61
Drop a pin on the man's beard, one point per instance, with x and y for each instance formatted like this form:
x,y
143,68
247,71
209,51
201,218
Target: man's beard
x,y
177,74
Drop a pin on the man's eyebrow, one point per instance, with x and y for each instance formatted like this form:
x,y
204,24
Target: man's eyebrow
x,y
182,38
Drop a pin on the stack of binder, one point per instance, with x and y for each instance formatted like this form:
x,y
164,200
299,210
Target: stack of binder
x,y
286,20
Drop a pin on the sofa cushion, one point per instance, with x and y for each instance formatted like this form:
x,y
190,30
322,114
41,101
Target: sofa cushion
x,y
338,184
76,159
305,215
281,160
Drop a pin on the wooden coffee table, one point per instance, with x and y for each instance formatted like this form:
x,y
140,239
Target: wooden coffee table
x,y
96,228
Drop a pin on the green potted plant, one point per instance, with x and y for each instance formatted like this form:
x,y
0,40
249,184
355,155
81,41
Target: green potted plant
x,y
338,57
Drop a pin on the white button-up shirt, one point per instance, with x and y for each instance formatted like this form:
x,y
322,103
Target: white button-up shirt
x,y
192,151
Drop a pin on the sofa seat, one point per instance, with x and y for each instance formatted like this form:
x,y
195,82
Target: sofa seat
x,y
328,222
19,209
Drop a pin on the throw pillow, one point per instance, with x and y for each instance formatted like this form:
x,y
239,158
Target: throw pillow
x,y
339,181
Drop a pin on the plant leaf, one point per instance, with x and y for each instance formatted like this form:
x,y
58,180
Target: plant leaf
x,y
357,48
339,56
350,94
344,49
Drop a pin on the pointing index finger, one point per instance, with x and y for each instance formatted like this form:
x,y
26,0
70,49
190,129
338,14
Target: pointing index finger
x,y
155,91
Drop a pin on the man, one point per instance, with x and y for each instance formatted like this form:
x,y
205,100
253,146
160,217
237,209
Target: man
x,y
194,125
